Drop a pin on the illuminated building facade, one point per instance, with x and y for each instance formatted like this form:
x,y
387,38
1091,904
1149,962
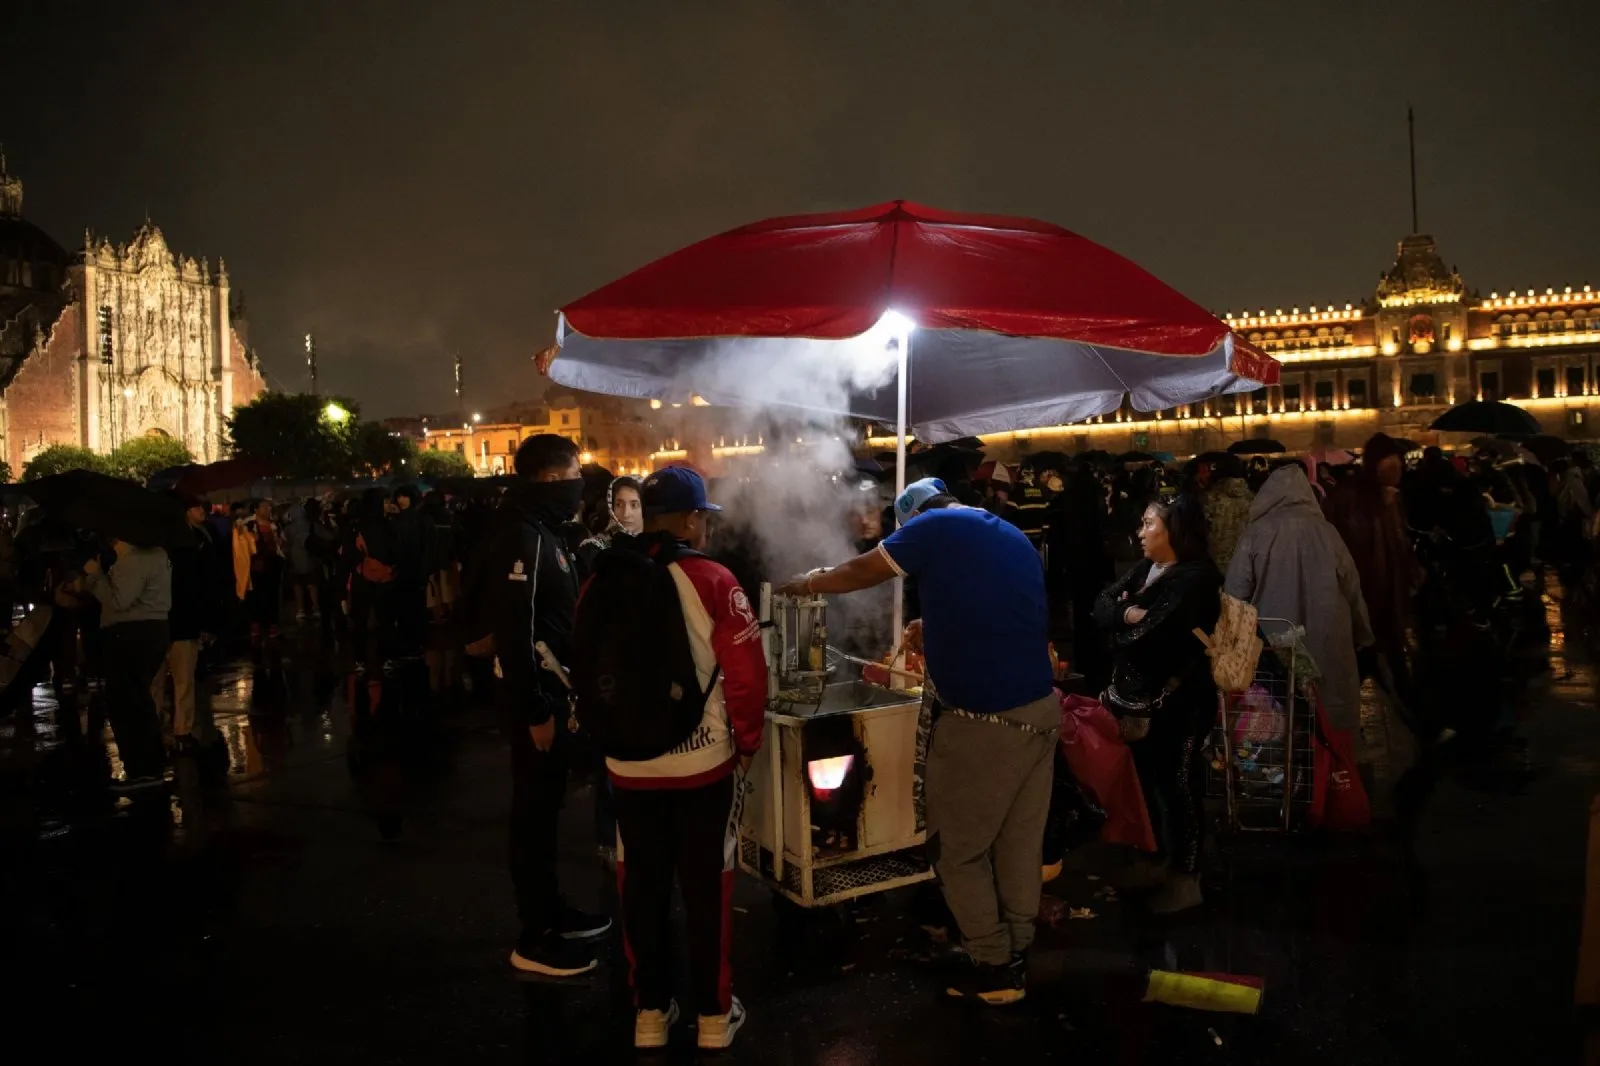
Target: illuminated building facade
x,y
113,342
1421,344
610,433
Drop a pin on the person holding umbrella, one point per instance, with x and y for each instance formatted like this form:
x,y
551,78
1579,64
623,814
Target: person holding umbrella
x,y
135,597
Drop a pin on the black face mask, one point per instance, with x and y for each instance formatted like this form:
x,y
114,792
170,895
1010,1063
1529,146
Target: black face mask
x,y
554,501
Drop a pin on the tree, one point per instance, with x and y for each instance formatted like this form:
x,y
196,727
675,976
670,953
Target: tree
x,y
301,435
137,459
374,450
59,458
5,472
433,465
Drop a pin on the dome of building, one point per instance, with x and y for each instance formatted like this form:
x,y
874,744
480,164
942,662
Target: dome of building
x,y
30,259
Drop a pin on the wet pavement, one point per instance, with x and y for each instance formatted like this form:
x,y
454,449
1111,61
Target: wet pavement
x,y
267,911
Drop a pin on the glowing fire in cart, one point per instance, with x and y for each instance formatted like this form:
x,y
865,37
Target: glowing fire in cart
x,y
940,323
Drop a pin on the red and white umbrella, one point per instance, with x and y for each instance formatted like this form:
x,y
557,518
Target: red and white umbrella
x,y
1017,324
982,323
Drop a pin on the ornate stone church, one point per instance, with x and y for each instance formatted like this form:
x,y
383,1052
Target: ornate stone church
x,y
113,342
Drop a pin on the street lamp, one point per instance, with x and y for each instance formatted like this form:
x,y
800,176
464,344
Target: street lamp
x,y
476,417
335,414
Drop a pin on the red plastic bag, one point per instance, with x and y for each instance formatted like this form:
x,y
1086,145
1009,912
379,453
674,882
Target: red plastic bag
x,y
1338,798
1093,747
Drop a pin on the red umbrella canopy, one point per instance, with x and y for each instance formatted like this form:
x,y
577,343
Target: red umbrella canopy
x,y
966,281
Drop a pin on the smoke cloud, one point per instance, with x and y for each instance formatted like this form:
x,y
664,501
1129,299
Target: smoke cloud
x,y
801,503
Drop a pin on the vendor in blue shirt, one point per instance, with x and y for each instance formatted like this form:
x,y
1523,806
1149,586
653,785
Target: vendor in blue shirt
x,y
985,633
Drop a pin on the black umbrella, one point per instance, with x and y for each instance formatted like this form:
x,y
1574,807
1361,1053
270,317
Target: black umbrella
x,y
1486,416
1257,446
112,508
1545,448
1096,457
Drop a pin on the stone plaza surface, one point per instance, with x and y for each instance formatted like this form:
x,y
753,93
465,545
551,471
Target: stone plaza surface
x,y
259,915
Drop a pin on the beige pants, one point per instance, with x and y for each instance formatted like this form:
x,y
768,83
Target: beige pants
x,y
182,658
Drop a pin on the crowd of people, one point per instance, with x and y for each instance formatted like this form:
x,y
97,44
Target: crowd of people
x,y
1374,561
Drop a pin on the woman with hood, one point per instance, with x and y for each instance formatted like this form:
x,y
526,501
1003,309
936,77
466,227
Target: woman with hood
x,y
1291,563
1161,687
623,514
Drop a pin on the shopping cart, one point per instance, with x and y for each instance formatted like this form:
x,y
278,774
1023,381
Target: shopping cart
x,y
1260,751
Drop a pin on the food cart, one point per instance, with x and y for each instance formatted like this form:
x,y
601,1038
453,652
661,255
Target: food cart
x,y
938,323
830,810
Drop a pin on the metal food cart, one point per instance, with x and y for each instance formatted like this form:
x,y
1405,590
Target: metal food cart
x,y
830,810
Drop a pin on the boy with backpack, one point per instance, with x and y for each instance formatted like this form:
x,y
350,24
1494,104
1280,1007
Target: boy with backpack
x,y
671,682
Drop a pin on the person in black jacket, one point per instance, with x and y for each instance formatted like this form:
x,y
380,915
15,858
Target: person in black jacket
x,y
415,554
193,620
371,557
1161,687
524,591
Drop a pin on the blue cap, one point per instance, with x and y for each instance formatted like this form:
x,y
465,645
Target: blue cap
x,y
675,490
916,494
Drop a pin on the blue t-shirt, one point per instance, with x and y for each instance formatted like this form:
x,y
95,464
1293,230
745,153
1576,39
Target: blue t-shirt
x,y
985,616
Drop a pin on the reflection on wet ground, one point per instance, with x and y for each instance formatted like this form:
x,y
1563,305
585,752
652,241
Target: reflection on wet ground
x,y
308,893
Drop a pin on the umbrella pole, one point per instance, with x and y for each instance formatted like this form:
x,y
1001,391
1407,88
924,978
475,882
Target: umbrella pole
x,y
904,348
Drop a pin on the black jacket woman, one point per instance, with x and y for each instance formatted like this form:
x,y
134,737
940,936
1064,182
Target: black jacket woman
x,y
1161,681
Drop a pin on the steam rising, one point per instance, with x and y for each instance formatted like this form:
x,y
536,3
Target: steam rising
x,y
801,504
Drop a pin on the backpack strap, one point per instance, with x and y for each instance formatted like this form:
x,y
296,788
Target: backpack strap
x,y
672,552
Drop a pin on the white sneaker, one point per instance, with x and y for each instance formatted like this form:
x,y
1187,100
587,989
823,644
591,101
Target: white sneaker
x,y
718,1030
653,1028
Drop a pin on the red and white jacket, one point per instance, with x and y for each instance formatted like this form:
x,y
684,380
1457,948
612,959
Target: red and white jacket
x,y
722,630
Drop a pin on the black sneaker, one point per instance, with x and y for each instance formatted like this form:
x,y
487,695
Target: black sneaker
x,y
124,785
997,986
573,924
552,956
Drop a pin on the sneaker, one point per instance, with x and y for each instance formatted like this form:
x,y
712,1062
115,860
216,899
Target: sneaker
x,y
718,1030
552,957
299,616
653,1028
574,924
124,785
1180,893
995,985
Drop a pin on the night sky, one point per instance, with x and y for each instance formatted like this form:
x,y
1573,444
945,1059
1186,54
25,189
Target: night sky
x,y
410,179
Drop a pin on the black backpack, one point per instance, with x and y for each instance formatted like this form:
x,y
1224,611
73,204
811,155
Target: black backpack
x,y
632,667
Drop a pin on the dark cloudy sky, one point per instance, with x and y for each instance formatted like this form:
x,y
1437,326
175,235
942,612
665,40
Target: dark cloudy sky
x,y
408,179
